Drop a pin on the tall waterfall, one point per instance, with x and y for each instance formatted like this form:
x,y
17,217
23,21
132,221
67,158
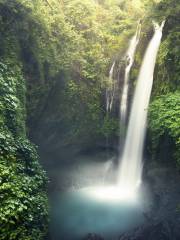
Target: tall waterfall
x,y
129,57
131,162
110,91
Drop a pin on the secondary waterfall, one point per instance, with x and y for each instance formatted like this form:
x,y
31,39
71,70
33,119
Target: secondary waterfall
x,y
131,162
129,57
110,91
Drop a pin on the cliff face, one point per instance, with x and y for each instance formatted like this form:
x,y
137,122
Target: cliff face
x,y
66,59
55,60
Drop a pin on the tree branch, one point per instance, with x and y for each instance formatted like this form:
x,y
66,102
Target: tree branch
x,y
49,4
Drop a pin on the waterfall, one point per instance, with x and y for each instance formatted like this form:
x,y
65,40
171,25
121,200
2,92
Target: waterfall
x,y
110,91
131,162
129,57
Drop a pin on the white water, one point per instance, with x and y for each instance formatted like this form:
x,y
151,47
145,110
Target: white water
x,y
110,91
131,162
129,57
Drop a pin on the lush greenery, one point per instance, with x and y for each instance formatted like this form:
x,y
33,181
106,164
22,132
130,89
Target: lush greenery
x,y
61,52
23,209
164,111
168,69
67,47
164,121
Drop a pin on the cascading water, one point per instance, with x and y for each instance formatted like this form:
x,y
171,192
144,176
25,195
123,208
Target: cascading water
x,y
131,162
110,91
131,165
129,57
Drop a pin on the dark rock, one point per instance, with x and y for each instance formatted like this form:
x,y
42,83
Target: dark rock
x,y
92,236
164,230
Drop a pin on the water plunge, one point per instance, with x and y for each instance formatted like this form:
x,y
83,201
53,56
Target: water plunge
x,y
130,171
111,210
129,58
131,162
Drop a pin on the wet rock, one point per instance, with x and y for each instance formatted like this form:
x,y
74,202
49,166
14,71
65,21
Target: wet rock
x,y
156,231
92,236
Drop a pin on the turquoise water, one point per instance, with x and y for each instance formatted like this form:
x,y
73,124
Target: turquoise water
x,y
76,213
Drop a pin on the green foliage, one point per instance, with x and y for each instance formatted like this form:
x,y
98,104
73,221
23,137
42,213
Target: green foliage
x,y
12,102
74,38
65,48
164,119
74,42
168,63
109,127
23,209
